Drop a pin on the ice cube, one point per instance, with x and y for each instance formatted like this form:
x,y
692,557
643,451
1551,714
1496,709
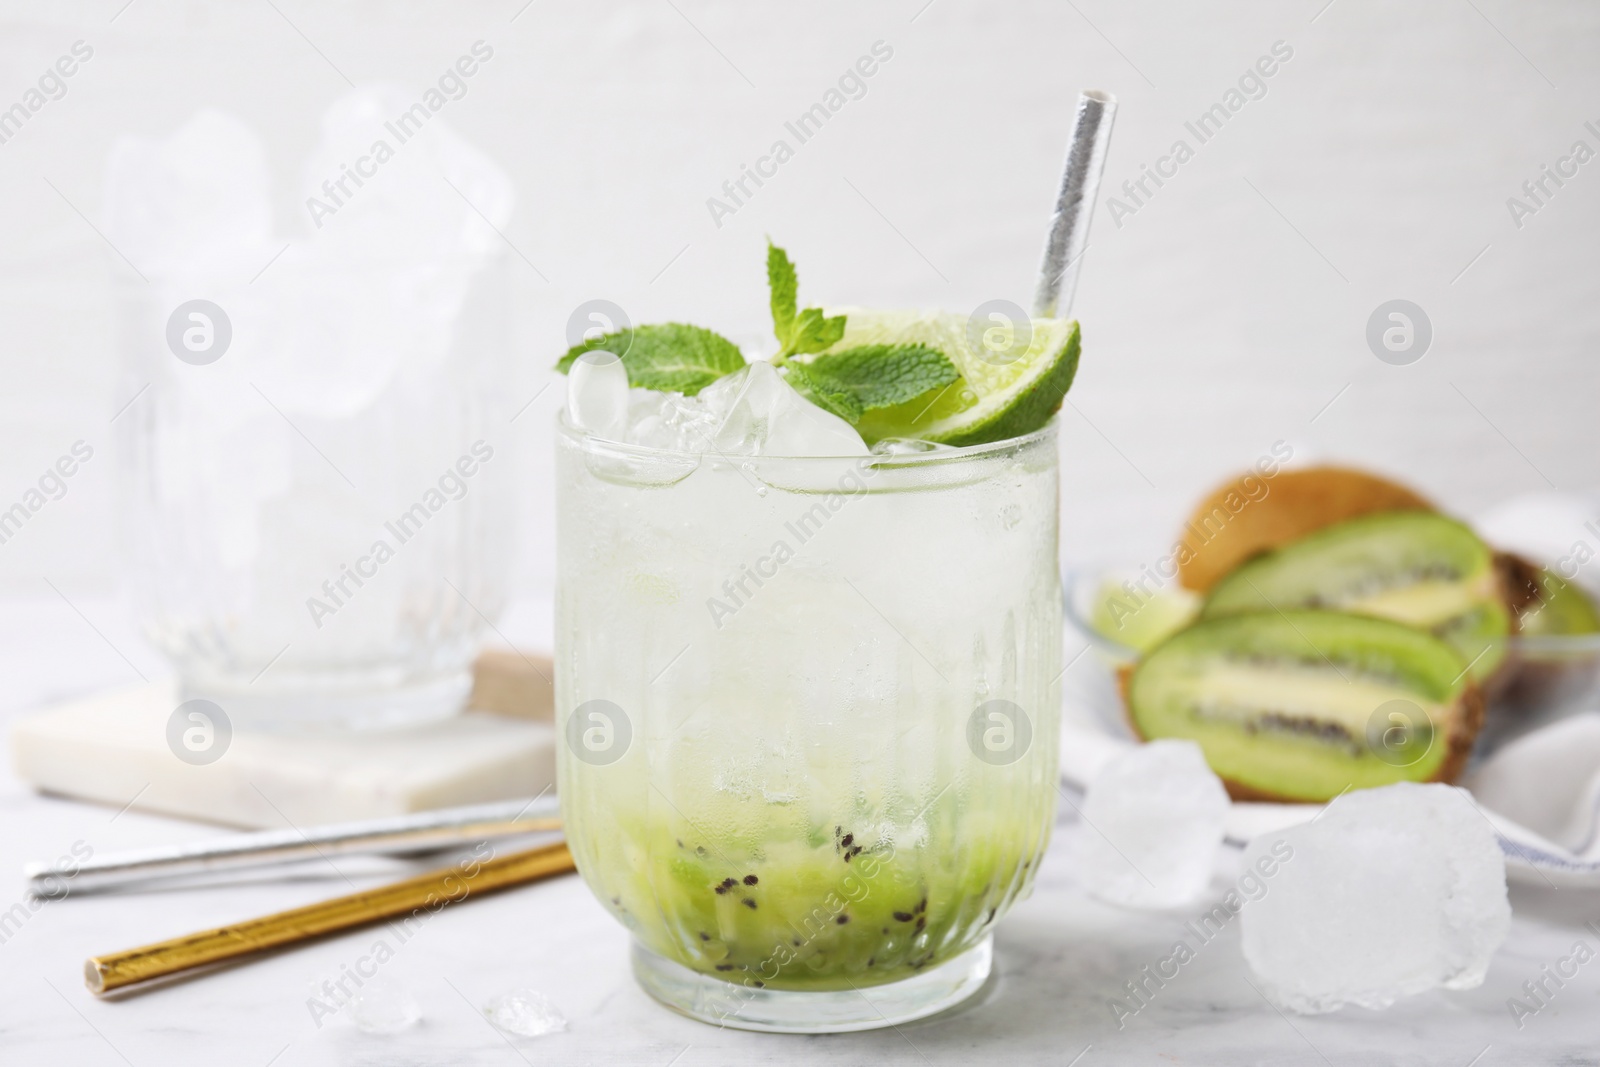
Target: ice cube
x,y
763,415
177,204
669,421
1155,816
429,197
395,272
597,395
525,1013
1387,893
719,398
383,1008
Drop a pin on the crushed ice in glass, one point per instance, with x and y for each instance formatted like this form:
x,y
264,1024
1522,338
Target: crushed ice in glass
x,y
357,314
371,284
525,1013
751,412
1388,893
767,417
1154,818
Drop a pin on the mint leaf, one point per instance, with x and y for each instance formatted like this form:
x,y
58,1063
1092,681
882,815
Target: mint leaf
x,y
797,332
671,357
879,376
784,286
826,394
813,332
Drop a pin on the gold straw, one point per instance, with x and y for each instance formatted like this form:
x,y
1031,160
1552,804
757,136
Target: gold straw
x,y
425,893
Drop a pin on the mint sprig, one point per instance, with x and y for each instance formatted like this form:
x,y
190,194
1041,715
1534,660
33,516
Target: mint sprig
x,y
852,382
672,357
870,377
824,392
784,286
813,332
676,357
798,332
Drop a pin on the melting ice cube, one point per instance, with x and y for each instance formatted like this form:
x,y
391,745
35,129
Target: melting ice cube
x,y
525,1013
1387,893
383,1008
1155,817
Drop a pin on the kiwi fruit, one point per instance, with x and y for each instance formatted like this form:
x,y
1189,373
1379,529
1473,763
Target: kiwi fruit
x,y
1254,513
1301,705
1544,604
1553,665
1519,582
1415,567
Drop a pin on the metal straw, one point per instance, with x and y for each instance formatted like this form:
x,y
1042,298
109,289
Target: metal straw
x,y
414,898
401,833
1069,225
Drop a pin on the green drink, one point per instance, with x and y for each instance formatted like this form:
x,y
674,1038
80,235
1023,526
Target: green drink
x,y
807,688
839,778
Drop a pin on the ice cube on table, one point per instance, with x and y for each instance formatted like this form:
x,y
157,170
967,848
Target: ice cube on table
x,y
763,415
383,1008
1387,893
597,395
526,1013
1154,817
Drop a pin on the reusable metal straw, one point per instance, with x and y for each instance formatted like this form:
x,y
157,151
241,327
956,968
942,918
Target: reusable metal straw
x,y
394,834
1069,225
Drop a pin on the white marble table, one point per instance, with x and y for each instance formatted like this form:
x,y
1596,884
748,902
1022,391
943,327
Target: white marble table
x,y
1061,957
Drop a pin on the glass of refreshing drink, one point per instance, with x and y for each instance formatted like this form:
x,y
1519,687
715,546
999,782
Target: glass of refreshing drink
x,y
808,640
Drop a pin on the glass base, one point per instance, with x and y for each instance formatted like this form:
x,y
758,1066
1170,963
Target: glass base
x,y
782,1011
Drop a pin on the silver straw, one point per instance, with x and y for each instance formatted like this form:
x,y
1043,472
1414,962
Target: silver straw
x,y
400,833
1069,225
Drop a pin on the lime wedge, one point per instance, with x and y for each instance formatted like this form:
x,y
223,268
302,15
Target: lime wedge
x,y
1142,623
1013,377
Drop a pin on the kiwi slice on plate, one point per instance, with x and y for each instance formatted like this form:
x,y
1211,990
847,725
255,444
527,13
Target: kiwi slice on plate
x,y
1415,567
1302,705
1562,608
1257,511
1555,659
1544,604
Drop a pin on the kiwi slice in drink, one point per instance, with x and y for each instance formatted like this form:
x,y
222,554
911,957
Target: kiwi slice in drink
x,y
1415,567
838,914
1302,705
